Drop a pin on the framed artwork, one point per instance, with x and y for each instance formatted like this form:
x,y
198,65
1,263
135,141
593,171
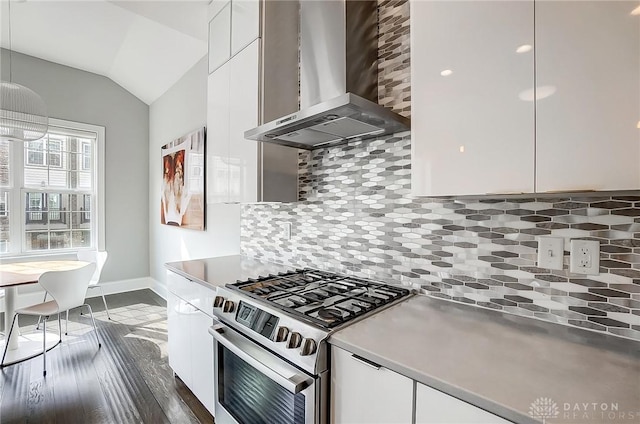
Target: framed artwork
x,y
182,201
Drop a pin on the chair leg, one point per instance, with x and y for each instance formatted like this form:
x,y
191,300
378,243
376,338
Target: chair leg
x,y
95,328
104,301
44,346
6,345
40,317
66,324
60,326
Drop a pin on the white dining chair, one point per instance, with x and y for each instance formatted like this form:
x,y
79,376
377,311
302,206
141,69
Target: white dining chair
x,y
99,258
68,290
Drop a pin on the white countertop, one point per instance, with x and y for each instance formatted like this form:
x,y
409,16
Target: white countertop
x,y
216,272
499,362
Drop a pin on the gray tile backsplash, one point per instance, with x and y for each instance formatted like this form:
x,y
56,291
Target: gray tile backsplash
x,y
356,215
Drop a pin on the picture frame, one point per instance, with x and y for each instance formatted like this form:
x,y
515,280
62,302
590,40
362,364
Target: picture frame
x,y
182,198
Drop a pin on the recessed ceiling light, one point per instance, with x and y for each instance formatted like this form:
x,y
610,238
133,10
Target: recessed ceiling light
x,y
446,72
638,124
636,11
524,48
461,149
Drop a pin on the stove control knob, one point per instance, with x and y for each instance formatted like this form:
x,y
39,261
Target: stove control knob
x,y
229,306
294,341
308,347
218,302
282,334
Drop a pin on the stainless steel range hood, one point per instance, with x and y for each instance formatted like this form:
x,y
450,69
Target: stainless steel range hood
x,y
338,80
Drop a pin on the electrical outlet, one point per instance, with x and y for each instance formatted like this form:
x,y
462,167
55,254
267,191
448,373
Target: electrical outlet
x,y
585,257
550,252
286,231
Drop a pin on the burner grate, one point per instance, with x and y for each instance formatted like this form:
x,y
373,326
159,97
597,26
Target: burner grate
x,y
323,298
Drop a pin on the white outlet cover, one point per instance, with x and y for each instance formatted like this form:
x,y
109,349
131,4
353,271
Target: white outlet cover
x,y
585,257
550,252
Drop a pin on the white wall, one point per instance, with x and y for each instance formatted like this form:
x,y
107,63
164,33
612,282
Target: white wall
x,y
183,108
81,96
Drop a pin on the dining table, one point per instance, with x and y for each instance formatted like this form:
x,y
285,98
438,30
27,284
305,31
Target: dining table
x,y
12,276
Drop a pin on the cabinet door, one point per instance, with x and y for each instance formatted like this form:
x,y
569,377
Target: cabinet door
x,y
588,85
243,115
434,407
362,393
472,123
202,359
245,23
220,37
218,135
179,316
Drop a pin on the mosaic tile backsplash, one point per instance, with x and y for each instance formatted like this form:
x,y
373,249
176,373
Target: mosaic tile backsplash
x,y
394,56
356,216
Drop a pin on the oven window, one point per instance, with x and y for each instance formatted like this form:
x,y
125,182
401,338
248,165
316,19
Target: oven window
x,y
251,397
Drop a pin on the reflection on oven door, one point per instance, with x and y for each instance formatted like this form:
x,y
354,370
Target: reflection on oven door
x,y
253,385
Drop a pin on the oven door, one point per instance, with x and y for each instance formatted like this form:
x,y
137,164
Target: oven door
x,y
253,385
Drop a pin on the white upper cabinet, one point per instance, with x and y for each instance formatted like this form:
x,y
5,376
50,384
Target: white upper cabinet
x,y
245,23
255,78
588,89
488,119
218,170
219,36
243,114
472,133
233,26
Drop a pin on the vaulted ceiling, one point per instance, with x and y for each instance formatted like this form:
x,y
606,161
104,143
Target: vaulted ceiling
x,y
144,46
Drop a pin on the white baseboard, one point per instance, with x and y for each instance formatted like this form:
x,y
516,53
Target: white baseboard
x,y
159,288
109,287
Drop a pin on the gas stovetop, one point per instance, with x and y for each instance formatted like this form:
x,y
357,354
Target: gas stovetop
x,y
323,298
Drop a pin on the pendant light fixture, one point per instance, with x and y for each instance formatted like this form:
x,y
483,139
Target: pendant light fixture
x,y
23,113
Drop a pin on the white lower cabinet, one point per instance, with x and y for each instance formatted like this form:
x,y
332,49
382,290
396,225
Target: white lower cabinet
x,y
190,345
364,393
435,407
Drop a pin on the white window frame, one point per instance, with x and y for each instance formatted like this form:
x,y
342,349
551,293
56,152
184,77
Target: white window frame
x,y
17,195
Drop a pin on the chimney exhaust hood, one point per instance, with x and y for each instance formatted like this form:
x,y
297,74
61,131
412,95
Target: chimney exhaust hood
x,y
338,80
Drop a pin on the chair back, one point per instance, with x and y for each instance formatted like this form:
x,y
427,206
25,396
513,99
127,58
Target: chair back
x,y
68,288
99,258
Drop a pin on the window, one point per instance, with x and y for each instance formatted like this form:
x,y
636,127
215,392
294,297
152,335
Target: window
x,y
3,203
86,155
54,201
35,153
54,155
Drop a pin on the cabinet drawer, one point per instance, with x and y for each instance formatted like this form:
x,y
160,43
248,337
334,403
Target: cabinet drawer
x,y
435,407
194,293
364,392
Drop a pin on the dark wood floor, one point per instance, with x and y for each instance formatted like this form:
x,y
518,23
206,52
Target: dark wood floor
x,y
128,380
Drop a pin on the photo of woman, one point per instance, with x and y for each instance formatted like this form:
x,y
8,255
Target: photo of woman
x,y
182,199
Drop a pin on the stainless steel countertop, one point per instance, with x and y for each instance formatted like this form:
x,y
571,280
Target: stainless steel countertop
x,y
216,272
500,362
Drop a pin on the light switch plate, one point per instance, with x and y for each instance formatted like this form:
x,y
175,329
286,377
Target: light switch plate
x,y
585,257
550,252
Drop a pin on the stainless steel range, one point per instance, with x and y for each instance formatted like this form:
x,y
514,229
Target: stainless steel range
x,y
271,358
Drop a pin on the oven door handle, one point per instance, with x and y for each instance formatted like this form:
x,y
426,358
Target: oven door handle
x,y
295,383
